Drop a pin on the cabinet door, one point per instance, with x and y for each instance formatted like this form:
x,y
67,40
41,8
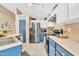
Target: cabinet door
x,y
57,53
51,50
52,42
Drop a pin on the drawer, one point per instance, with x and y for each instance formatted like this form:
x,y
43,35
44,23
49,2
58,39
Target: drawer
x,y
51,50
62,51
57,53
52,42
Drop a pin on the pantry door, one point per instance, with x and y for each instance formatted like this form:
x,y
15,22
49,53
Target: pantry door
x,y
22,29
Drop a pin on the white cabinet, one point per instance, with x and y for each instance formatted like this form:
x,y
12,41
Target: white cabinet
x,y
66,13
61,12
74,12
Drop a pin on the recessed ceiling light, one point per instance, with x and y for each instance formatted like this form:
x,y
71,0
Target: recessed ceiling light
x,y
30,4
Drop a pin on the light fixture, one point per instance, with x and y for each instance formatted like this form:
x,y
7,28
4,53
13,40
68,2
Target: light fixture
x,y
30,4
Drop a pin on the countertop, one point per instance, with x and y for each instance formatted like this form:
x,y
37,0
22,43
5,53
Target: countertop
x,y
16,43
12,35
69,44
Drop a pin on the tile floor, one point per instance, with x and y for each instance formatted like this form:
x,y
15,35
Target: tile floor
x,y
34,49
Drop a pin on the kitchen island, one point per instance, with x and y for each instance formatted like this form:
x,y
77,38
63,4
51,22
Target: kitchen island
x,y
10,46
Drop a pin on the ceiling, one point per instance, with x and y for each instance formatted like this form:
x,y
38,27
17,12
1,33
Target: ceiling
x,y
36,10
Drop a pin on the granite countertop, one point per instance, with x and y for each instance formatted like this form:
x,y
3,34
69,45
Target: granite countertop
x,y
69,44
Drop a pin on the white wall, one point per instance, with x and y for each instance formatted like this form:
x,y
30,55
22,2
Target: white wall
x,y
7,16
44,23
47,24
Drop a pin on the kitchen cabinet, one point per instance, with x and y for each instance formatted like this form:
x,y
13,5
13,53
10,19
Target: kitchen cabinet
x,y
10,46
54,49
62,51
52,42
57,53
51,50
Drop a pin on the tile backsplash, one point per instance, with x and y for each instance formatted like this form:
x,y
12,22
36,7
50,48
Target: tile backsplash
x,y
74,30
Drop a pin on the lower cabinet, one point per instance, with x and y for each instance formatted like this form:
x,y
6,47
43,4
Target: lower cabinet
x,y
55,49
62,51
57,53
51,50
12,51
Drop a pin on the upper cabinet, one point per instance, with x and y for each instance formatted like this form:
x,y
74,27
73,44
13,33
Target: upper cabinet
x,y
74,12
61,12
66,13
